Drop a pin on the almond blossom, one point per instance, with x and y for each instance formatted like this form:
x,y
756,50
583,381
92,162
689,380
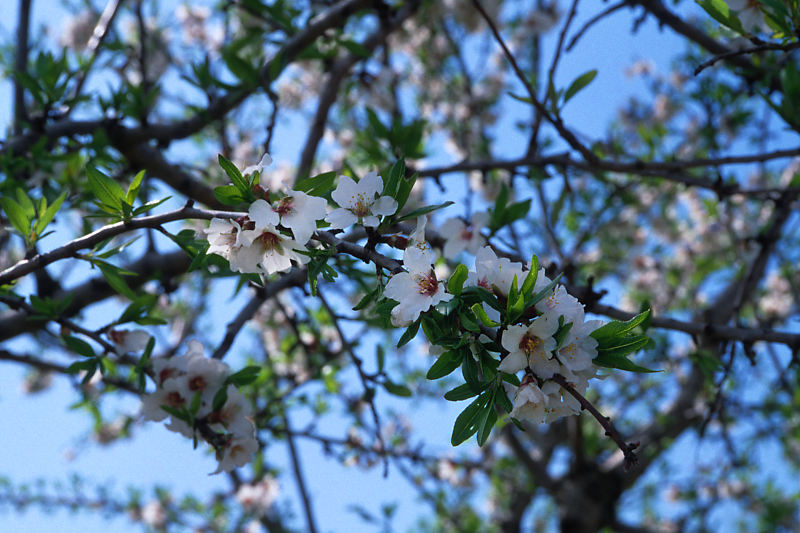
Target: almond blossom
x,y
417,290
460,236
360,202
531,345
296,210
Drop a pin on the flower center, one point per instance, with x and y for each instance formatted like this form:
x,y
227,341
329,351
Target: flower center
x,y
270,241
569,351
174,399
197,383
466,234
483,282
529,344
285,206
361,205
427,284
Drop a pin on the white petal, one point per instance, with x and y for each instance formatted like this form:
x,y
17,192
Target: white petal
x,y
371,185
513,362
399,286
370,221
417,260
385,205
346,192
341,218
262,214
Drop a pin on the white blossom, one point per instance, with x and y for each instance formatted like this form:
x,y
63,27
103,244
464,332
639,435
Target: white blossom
x,y
531,346
460,236
416,290
128,341
258,497
360,202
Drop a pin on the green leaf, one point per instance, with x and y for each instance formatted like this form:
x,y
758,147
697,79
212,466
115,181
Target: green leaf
x,y
481,314
404,190
245,376
79,346
114,278
615,328
562,332
469,323
318,185
396,389
542,294
49,213
463,392
89,365
368,298
219,399
469,369
234,174
445,364
107,191
613,360
397,173
17,216
457,279
466,423
133,188
486,421
580,82
229,195
423,211
410,333
530,279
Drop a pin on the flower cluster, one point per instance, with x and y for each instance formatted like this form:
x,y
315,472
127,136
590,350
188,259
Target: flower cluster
x,y
186,387
555,341
257,243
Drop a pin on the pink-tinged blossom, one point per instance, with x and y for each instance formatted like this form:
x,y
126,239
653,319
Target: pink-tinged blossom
x,y
360,202
460,236
297,211
264,249
237,451
258,497
417,290
154,514
129,341
493,273
531,346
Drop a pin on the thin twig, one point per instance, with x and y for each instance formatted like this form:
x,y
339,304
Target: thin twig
x,y
611,431
298,474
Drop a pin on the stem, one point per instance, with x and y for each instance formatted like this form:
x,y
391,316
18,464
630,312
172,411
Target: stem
x,y
298,474
611,431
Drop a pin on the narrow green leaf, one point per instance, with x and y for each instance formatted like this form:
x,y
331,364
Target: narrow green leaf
x,y
462,392
79,346
49,213
579,83
409,334
234,174
244,376
481,314
396,389
114,278
397,173
16,215
423,211
466,423
486,421
456,282
615,328
133,188
107,191
445,364
530,279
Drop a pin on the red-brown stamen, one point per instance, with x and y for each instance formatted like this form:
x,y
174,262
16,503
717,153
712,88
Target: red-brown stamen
x,y
427,284
529,344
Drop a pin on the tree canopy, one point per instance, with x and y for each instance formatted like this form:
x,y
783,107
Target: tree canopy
x,y
386,234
